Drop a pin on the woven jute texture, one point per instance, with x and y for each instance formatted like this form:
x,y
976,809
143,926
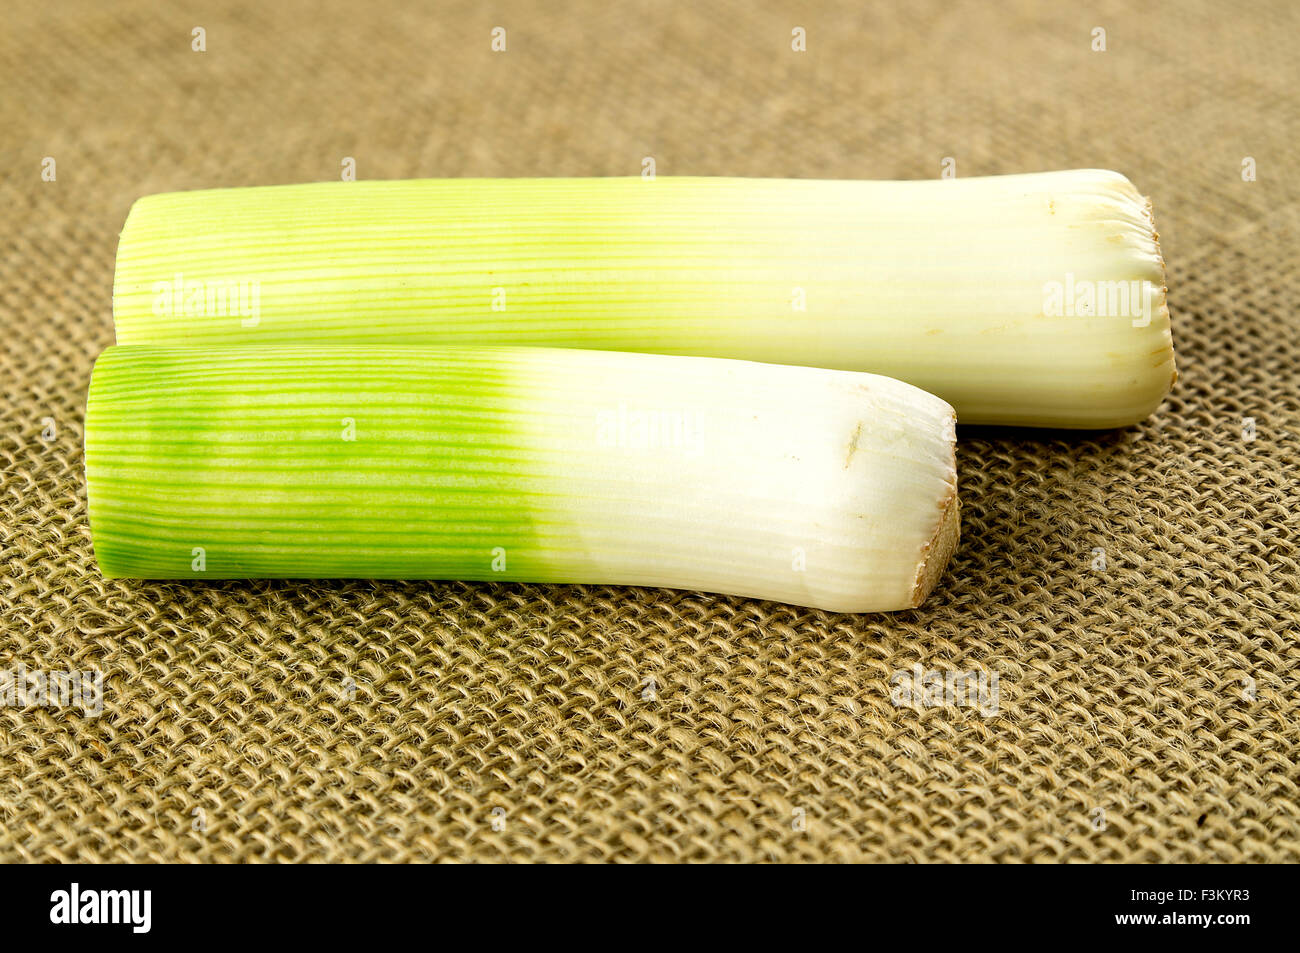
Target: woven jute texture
x,y
1135,592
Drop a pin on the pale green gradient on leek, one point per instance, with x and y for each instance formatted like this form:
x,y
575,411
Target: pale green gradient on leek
x,y
939,283
244,456
462,453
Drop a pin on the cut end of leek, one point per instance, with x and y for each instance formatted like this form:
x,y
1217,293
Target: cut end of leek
x,y
822,488
938,551
1031,300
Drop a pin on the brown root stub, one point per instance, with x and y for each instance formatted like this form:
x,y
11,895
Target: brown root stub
x,y
937,552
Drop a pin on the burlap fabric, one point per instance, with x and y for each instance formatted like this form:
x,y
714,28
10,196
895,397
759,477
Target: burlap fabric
x,y
1135,592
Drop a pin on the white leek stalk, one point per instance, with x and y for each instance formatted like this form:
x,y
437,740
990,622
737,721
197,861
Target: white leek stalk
x,y
1022,299
822,488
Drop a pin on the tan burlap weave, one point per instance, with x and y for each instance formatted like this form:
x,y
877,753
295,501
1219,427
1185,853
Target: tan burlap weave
x,y
1135,592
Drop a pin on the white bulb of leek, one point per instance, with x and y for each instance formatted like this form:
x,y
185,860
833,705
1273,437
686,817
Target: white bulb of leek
x,y
816,487
1022,299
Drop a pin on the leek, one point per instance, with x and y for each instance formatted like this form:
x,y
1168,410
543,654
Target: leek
x,y
817,487
1023,299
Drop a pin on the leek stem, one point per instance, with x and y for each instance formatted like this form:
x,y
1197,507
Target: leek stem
x,y
816,487
1023,299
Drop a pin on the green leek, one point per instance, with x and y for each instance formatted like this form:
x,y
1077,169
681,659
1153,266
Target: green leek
x,y
1023,299
817,487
